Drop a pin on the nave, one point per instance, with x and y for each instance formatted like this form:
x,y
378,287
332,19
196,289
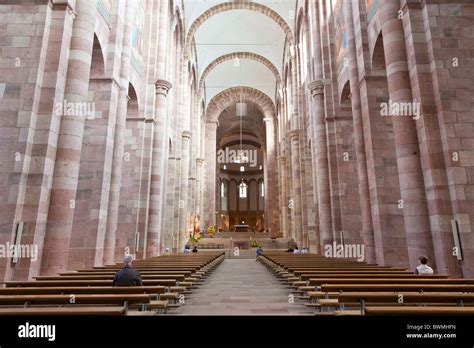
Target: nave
x,y
241,287
276,283
151,128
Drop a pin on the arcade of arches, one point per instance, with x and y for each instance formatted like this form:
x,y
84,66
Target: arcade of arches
x,y
134,124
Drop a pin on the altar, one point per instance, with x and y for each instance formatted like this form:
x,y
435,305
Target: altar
x,y
241,228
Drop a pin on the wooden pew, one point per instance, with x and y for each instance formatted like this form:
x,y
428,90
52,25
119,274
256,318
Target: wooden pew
x,y
63,311
93,292
398,281
177,277
68,283
397,287
369,285
77,299
151,290
419,310
308,276
361,300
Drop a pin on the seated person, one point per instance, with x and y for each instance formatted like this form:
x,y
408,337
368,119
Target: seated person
x,y
259,251
195,249
187,249
304,251
296,251
423,268
127,276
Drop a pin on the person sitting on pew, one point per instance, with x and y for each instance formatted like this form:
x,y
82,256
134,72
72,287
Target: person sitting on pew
x,y
195,249
259,252
304,251
187,249
423,268
127,276
296,251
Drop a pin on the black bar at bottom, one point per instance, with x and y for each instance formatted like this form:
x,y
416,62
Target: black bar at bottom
x,y
260,330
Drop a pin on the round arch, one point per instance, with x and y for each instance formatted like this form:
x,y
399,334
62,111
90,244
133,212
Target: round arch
x,y
228,6
236,94
240,55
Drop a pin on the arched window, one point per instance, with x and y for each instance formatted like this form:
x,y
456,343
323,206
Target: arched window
x,y
262,189
243,190
222,190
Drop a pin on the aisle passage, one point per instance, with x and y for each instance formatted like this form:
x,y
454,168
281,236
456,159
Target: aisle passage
x,y
241,287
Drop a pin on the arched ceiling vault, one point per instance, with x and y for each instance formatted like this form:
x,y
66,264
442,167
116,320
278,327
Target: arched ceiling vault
x,y
236,57
240,5
239,43
234,95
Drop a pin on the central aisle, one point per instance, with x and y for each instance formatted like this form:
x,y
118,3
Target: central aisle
x,y
241,287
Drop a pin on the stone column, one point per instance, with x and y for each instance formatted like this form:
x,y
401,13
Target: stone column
x,y
271,186
118,152
417,18
363,176
200,191
156,192
283,196
415,211
184,186
210,183
296,197
68,156
322,170
27,120
170,236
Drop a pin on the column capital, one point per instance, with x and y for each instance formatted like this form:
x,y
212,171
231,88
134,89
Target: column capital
x,y
268,119
162,87
216,123
187,134
294,133
63,5
200,161
316,87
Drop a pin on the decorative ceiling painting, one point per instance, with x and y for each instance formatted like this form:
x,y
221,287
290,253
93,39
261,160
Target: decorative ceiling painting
x,y
341,37
371,7
137,36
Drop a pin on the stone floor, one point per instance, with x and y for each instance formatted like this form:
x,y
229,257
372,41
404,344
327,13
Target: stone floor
x,y
241,287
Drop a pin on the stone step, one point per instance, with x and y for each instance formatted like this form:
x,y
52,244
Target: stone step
x,y
242,254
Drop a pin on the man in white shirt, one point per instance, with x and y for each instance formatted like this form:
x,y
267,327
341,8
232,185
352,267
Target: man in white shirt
x,y
423,268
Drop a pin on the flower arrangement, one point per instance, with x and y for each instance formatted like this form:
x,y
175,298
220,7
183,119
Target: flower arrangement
x,y
210,231
195,236
254,244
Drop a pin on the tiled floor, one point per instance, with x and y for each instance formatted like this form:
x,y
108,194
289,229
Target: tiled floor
x,y
241,287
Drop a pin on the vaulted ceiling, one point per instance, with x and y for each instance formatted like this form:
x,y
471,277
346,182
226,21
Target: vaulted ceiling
x,y
247,43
